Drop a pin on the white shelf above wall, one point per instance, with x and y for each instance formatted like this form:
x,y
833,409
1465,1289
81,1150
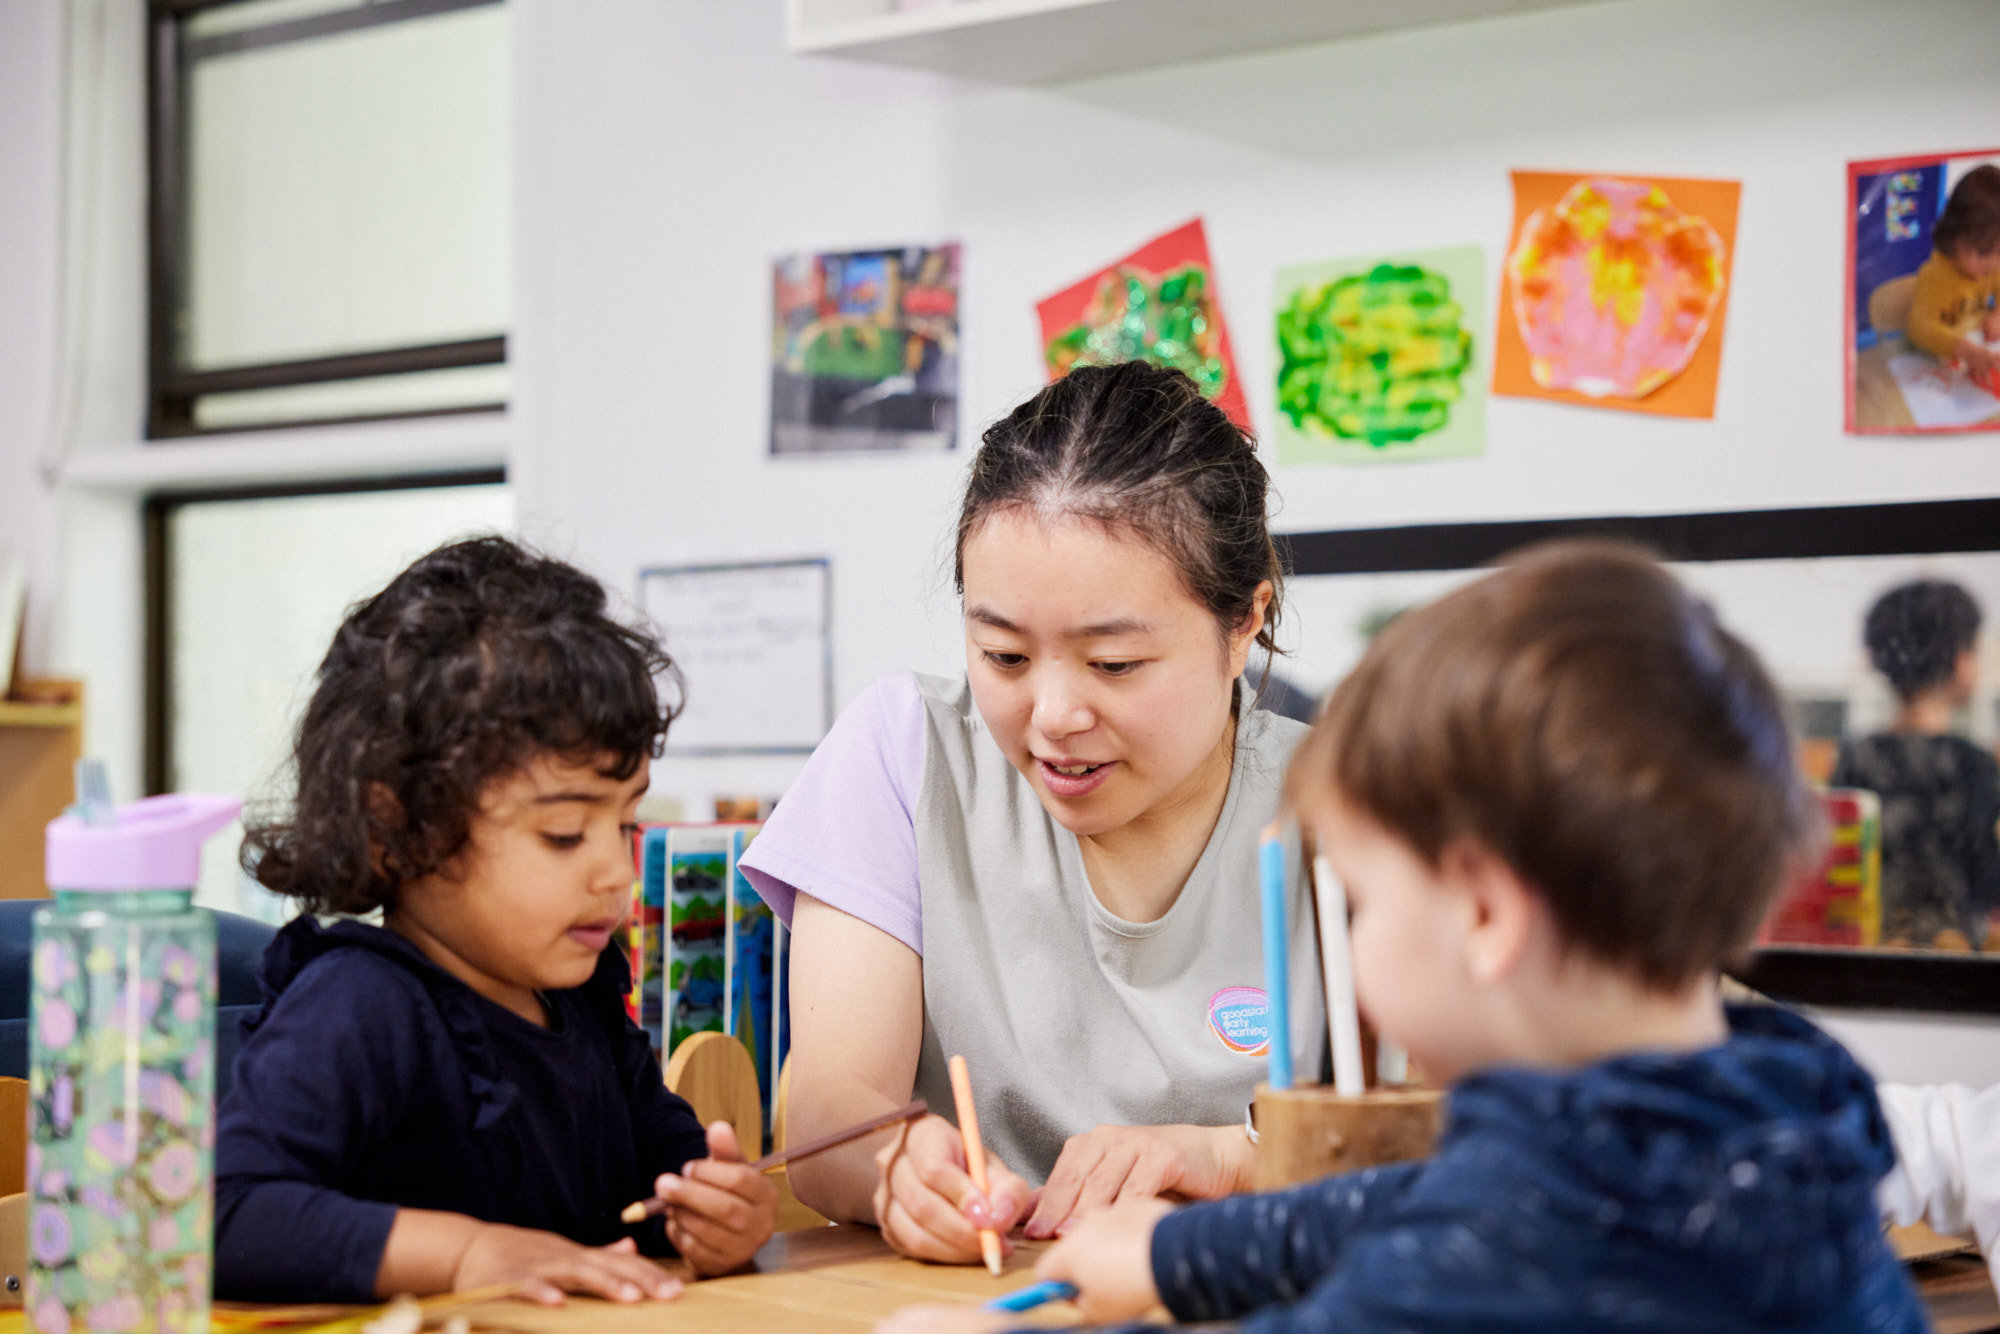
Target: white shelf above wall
x,y
1041,41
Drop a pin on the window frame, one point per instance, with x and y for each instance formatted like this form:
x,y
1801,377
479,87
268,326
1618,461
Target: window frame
x,y
172,393
156,520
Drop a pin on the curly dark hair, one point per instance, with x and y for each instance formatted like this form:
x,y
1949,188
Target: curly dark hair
x,y
1971,217
1137,447
473,662
1915,633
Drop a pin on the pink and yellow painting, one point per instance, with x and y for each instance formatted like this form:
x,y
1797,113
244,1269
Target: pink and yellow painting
x,y
1616,291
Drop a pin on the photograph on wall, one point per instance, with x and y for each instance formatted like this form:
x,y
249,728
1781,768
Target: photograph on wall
x,y
864,350
1157,304
1923,294
1379,358
1615,291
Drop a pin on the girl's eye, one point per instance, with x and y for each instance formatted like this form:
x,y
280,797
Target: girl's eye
x,y
1005,661
563,842
630,829
1118,668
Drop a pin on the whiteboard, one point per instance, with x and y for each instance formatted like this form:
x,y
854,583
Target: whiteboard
x,y
753,643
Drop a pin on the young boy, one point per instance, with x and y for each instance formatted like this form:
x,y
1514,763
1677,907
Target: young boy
x,y
1560,799
1940,793
1955,310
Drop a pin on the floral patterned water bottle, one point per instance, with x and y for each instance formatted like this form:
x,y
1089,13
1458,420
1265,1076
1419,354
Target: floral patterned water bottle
x,y
121,1074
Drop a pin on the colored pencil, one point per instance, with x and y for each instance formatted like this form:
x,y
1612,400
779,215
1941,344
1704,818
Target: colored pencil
x,y
1035,1294
1277,977
771,1162
1343,1015
975,1154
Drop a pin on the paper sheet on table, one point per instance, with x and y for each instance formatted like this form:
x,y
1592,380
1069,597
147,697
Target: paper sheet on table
x,y
1938,395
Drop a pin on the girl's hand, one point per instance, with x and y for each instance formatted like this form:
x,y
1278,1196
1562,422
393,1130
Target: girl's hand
x,y
1112,1164
718,1210
1981,366
546,1266
946,1320
925,1203
1990,326
1109,1258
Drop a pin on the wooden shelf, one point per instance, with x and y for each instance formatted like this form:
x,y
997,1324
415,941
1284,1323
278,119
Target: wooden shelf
x,y
1042,41
28,713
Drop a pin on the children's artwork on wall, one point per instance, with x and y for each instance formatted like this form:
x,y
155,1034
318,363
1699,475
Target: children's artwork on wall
x,y
1157,304
1923,294
864,350
1615,291
1378,360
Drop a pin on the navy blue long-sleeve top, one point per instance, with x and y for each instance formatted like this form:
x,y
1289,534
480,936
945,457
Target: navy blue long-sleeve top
x,y
1719,1191
373,1080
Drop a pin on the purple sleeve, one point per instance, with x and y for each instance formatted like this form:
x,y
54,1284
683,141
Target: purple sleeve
x,y
846,831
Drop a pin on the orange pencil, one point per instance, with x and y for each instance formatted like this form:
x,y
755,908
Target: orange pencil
x,y
975,1154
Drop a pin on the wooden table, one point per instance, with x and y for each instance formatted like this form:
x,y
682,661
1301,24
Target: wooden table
x,y
845,1279
827,1278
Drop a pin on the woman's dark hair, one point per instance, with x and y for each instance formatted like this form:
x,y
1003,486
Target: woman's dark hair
x,y
1137,448
1971,217
473,662
1915,633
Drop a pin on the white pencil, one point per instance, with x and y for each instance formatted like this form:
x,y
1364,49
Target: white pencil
x,y
1343,1015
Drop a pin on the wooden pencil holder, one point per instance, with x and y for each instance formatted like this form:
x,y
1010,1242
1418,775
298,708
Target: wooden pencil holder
x,y
1304,1134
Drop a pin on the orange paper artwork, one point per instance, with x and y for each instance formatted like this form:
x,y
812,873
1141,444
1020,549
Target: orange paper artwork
x,y
1615,292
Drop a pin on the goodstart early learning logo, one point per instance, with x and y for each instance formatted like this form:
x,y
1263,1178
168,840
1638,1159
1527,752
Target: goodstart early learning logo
x,y
1241,1017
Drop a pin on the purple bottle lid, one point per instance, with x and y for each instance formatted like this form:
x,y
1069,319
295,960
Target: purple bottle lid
x,y
154,844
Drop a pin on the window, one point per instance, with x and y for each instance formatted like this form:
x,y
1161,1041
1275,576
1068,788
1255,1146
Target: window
x,y
330,212
248,588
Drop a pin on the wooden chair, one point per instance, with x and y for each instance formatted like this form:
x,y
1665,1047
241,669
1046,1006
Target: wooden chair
x,y
13,1187
714,1073
1889,304
792,1215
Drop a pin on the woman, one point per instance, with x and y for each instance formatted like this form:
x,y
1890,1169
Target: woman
x,y
1049,865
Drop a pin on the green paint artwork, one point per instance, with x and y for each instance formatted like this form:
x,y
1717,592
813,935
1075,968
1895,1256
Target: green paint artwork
x,y
1378,359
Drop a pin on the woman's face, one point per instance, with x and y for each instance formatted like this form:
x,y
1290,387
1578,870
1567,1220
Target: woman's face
x,y
1103,681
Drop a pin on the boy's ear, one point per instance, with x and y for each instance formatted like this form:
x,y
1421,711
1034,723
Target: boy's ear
x,y
1501,911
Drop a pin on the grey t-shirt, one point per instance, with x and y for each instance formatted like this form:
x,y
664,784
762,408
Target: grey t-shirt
x,y
909,817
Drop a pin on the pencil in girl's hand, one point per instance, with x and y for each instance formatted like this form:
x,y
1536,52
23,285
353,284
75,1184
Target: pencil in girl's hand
x,y
975,1154
771,1162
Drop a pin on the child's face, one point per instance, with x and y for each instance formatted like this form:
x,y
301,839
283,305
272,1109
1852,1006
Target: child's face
x,y
1086,653
544,881
1977,263
1416,970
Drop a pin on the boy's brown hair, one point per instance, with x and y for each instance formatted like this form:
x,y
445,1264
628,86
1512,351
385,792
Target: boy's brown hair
x,y
1971,217
1583,716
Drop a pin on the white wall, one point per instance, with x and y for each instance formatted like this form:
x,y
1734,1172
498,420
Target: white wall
x,y
30,101
669,149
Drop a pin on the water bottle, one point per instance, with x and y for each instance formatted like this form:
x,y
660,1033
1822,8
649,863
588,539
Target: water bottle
x,y
121,1073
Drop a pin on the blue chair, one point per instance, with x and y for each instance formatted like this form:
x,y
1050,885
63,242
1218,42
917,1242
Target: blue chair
x,y
239,949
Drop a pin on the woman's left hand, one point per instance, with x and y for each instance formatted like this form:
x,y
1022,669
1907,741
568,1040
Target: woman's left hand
x,y
1113,1163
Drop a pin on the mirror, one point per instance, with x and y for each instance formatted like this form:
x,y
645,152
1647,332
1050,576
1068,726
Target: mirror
x,y
1911,781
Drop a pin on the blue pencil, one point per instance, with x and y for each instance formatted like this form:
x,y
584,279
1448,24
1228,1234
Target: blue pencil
x,y
1028,1298
1277,975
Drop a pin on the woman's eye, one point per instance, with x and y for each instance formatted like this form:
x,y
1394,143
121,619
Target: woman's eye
x,y
1005,661
1118,668
563,841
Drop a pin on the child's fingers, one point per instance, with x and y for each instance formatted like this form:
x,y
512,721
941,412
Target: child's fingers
x,y
736,1178
722,1144
633,1276
698,1197
704,1235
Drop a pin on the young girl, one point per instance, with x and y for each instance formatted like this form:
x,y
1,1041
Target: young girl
x,y
456,1098
1955,310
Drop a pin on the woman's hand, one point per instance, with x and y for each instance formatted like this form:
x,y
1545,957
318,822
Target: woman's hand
x,y
1112,1164
1108,1258
546,1266
718,1210
925,1203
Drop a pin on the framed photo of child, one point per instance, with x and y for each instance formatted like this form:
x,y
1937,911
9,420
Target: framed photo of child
x,y
1923,294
